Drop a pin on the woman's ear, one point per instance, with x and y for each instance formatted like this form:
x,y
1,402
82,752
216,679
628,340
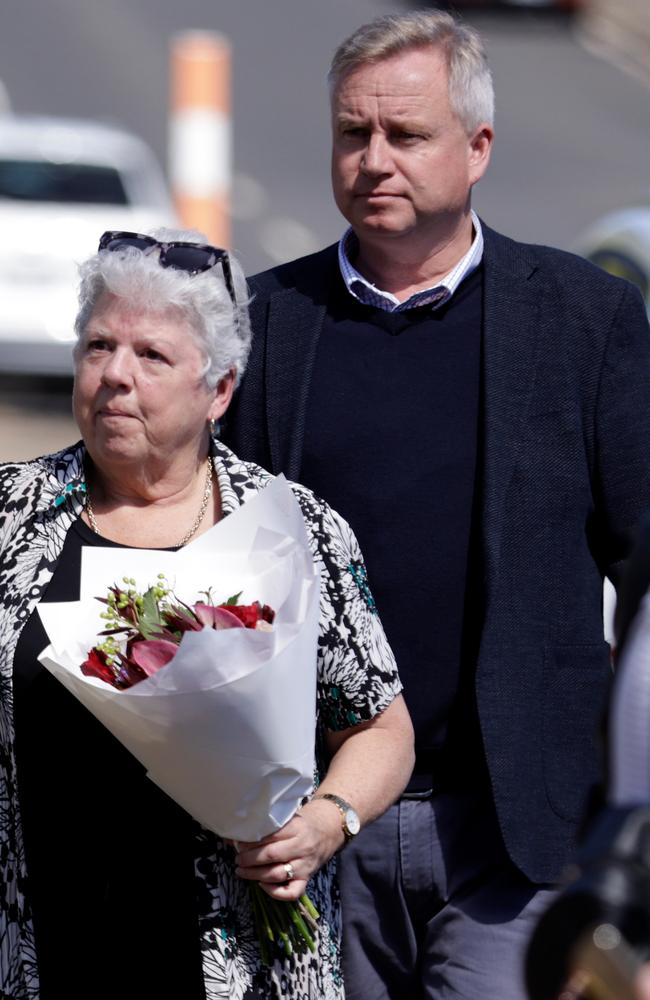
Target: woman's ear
x,y
222,396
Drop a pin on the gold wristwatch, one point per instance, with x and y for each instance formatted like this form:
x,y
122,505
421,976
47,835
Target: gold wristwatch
x,y
350,821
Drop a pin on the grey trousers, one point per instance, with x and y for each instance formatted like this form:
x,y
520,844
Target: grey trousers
x,y
433,907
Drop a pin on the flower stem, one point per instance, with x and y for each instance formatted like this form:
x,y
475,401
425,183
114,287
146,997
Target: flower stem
x,y
282,927
302,928
309,906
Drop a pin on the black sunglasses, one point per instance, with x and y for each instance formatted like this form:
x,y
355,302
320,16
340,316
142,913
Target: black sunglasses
x,y
191,257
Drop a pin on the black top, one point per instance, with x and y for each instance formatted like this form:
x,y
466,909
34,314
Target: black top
x,y
109,856
393,413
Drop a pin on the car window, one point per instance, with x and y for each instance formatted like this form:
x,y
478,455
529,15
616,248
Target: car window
x,y
78,183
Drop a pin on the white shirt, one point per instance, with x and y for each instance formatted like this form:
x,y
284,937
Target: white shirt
x,y
435,296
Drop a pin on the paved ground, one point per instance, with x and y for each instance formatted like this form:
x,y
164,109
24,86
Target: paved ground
x,y
34,418
573,132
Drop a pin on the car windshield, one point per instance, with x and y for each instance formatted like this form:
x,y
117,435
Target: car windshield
x,y
79,183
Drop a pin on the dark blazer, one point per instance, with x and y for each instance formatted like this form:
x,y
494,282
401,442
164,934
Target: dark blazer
x,y
564,477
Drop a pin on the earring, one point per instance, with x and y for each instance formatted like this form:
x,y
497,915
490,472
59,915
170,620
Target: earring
x,y
212,427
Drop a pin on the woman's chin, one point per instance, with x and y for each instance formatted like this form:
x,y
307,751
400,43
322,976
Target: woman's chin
x,y
115,450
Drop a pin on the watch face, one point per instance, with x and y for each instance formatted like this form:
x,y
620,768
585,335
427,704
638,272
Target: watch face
x,y
352,821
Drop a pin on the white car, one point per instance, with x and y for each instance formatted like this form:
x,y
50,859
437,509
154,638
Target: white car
x,y
620,243
62,183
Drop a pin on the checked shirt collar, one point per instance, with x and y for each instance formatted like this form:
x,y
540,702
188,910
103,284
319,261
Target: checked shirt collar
x,y
435,296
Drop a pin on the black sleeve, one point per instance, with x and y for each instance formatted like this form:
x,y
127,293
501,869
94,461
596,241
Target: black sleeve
x,y
623,433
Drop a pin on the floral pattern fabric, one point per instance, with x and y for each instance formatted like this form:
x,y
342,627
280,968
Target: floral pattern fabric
x,y
357,679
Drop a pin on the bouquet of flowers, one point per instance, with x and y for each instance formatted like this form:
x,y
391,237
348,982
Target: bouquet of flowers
x,y
144,630
205,709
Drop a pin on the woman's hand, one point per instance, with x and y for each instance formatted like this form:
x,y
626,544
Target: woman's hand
x,y
283,862
370,765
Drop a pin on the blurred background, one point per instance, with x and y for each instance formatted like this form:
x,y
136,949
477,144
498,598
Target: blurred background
x,y
572,146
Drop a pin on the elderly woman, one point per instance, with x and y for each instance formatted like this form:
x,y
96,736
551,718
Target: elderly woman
x,y
108,888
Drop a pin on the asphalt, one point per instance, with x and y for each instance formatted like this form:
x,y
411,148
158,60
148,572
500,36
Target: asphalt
x,y
572,130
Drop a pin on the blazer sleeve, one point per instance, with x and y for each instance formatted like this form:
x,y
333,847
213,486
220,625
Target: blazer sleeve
x,y
622,433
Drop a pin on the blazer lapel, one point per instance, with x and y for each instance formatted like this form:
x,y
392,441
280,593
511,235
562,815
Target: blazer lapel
x,y
294,325
514,310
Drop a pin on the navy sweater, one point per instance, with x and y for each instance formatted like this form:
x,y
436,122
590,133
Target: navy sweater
x,y
391,443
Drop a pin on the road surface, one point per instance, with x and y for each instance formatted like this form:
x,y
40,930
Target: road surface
x,y
572,132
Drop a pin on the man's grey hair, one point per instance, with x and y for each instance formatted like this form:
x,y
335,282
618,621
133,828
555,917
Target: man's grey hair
x,y
471,93
222,332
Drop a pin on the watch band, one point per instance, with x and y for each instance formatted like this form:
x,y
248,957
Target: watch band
x,y
350,823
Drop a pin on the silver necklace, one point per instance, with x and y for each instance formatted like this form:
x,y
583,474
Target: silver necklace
x,y
207,493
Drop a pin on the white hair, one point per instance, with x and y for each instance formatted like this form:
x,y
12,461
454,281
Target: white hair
x,y
222,330
471,93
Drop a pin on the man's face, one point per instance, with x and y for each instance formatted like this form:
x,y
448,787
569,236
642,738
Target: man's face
x,y
402,163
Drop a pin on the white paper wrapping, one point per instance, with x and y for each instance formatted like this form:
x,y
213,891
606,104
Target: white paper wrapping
x,y
227,728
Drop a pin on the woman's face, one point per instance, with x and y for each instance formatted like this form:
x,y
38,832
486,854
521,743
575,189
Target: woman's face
x,y
139,396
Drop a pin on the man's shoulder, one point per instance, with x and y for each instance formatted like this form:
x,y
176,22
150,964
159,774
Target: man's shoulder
x,y
559,266
307,274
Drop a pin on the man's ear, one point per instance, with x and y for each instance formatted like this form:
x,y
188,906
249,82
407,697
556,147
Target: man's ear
x,y
480,149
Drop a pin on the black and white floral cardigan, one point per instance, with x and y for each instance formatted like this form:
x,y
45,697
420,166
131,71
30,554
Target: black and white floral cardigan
x,y
357,679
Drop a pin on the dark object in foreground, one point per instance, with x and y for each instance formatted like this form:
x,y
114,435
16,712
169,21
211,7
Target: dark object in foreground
x,y
610,892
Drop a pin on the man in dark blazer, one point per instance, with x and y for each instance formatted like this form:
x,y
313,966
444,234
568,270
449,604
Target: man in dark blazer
x,y
479,410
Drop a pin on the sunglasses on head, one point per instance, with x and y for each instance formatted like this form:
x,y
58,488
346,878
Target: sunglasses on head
x,y
190,257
